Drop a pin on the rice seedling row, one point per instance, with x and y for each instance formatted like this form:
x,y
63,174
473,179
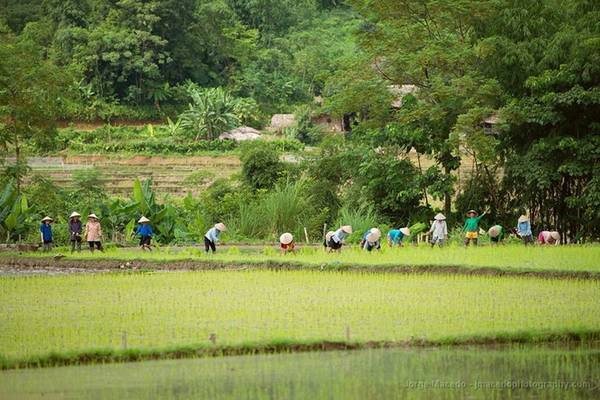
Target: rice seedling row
x,y
41,314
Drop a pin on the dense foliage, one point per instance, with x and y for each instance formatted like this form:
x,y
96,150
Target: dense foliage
x,y
509,87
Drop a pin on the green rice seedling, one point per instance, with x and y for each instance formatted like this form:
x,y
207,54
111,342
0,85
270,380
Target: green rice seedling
x,y
82,313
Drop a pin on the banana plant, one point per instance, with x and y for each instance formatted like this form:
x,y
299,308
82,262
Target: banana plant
x,y
14,211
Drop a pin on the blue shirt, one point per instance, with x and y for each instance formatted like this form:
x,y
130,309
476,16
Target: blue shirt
x,y
524,228
46,232
396,236
144,230
213,234
339,235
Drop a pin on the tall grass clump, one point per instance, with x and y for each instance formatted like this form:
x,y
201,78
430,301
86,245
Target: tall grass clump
x,y
361,220
285,209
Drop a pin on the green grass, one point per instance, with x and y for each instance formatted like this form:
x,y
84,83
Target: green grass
x,y
511,258
452,373
79,314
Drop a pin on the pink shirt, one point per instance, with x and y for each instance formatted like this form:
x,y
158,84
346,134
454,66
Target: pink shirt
x,y
93,231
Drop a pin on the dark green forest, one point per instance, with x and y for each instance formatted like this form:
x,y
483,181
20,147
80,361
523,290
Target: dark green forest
x,y
512,86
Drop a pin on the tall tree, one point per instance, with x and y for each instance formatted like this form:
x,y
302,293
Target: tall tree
x,y
32,90
429,44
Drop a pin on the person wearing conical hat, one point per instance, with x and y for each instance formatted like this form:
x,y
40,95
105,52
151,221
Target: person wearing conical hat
x,y
370,240
395,237
337,239
212,237
471,227
438,230
93,232
549,237
144,231
287,244
46,233
75,228
524,230
496,234
328,236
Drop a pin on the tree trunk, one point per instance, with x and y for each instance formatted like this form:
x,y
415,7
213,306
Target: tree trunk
x,y
447,195
17,162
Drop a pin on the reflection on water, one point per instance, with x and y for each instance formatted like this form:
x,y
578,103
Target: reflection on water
x,y
544,371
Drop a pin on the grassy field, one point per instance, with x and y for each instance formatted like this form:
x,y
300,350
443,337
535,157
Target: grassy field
x,y
153,311
516,258
547,372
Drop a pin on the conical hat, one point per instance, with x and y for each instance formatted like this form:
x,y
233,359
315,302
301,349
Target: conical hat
x,y
472,212
286,238
405,231
523,218
221,226
329,235
74,214
494,231
93,216
47,219
555,235
143,219
439,217
374,235
347,229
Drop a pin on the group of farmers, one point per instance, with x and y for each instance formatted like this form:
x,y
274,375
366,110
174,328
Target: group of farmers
x,y
333,241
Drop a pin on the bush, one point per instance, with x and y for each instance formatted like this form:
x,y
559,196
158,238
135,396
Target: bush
x,y
260,165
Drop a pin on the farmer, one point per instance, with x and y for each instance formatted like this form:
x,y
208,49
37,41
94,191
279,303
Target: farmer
x,y
144,230
75,228
336,240
524,230
93,232
370,240
439,230
327,239
396,236
287,243
496,234
549,237
212,237
46,233
471,227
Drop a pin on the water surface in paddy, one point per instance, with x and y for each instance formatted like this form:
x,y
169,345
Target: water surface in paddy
x,y
516,371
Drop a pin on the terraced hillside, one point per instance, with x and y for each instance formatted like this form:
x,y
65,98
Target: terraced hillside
x,y
172,175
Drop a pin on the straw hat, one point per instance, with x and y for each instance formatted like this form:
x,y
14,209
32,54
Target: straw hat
x,y
472,212
286,238
221,226
374,235
494,231
523,218
74,214
143,219
555,235
93,216
439,217
47,219
329,235
347,229
405,231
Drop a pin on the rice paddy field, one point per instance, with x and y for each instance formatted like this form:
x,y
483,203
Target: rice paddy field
x,y
515,258
487,322
516,371
77,314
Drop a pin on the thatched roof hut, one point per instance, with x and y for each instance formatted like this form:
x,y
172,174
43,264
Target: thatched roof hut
x,y
280,122
241,134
